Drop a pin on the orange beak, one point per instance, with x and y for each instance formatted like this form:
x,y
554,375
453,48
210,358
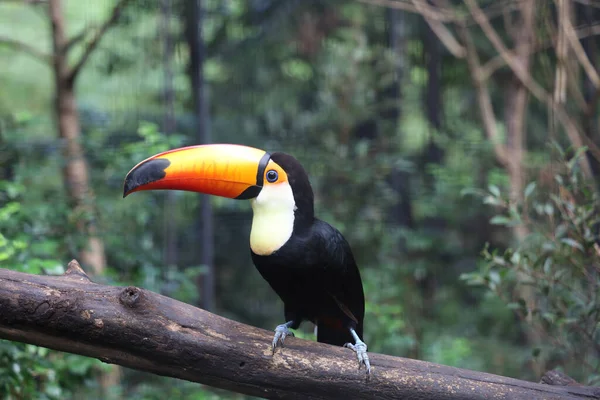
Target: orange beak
x,y
225,170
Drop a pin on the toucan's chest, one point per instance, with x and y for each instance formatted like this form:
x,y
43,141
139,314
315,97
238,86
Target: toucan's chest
x,y
296,256
291,265
294,274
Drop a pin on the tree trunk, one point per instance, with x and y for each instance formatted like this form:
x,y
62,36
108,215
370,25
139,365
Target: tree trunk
x,y
515,110
194,22
169,223
9,157
146,331
75,169
401,213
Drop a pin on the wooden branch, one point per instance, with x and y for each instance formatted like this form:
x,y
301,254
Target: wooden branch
x,y
26,48
140,329
100,32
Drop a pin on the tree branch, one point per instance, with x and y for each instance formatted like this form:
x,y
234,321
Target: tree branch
x,y
140,329
497,62
26,48
585,62
77,38
572,130
484,98
91,46
442,32
435,14
445,14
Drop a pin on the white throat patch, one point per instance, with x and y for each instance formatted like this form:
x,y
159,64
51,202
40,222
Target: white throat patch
x,y
273,220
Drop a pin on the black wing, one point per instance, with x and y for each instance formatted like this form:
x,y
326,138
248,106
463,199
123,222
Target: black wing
x,y
341,276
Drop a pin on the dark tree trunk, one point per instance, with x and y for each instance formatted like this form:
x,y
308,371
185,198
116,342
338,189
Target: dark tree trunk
x,y
433,154
8,158
169,226
424,305
401,213
195,40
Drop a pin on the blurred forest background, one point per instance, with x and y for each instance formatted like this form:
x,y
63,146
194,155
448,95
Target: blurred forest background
x,y
455,143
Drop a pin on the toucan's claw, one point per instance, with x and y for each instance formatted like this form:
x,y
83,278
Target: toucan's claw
x,y
360,348
281,332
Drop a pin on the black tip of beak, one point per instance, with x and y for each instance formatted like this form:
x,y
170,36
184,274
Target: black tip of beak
x,y
148,172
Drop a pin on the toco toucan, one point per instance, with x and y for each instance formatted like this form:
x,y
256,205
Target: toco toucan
x,y
306,261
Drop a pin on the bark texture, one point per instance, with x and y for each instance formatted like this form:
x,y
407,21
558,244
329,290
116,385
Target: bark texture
x,y
515,110
140,329
75,169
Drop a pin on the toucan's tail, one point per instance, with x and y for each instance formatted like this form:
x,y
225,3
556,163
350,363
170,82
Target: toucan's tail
x,y
336,332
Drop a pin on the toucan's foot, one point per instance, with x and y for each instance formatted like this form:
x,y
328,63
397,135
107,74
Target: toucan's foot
x,y
281,332
360,348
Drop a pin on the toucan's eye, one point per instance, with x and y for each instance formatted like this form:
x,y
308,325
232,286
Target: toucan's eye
x,y
272,176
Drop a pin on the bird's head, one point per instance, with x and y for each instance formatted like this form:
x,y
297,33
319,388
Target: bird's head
x,y
271,181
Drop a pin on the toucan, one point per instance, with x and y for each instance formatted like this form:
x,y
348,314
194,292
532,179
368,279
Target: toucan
x,y
306,261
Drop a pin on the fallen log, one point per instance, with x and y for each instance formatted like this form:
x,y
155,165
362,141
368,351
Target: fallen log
x,y
146,331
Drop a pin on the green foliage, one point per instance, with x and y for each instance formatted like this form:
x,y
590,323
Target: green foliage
x,y
26,373
20,247
29,371
558,262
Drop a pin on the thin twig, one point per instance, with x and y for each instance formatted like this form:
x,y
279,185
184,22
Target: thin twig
x,y
571,128
497,62
442,32
77,38
583,59
91,46
436,14
26,48
484,98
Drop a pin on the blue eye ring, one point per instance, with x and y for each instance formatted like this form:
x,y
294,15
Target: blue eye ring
x,y
272,176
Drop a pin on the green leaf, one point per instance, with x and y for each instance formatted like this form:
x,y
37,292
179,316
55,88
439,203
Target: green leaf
x,y
547,268
529,189
576,157
471,191
500,220
494,190
494,201
561,230
472,278
573,243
